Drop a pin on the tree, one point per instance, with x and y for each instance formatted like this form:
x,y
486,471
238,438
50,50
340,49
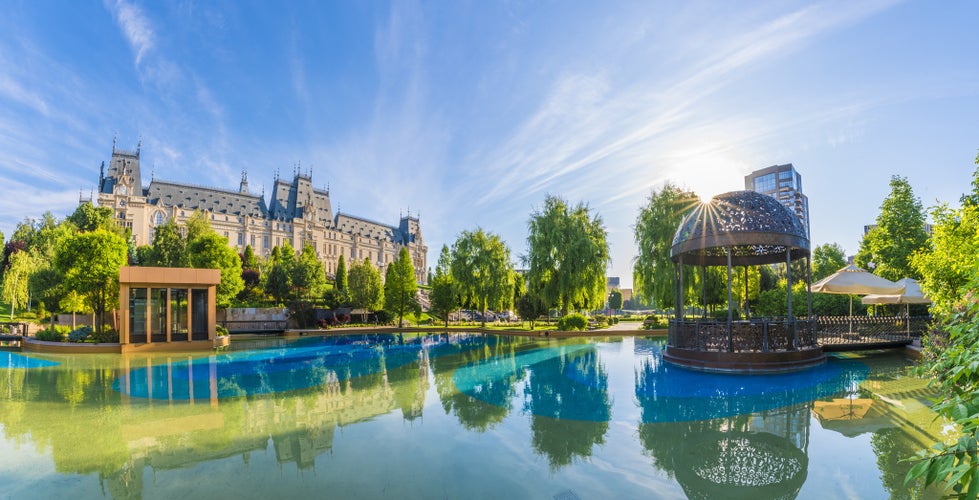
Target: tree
x,y
615,299
16,289
341,276
400,288
826,260
211,251
950,276
308,280
567,255
88,217
169,247
530,307
248,259
482,270
366,290
443,296
90,263
655,227
899,233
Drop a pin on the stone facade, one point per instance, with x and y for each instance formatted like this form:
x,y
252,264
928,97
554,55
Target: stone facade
x,y
297,213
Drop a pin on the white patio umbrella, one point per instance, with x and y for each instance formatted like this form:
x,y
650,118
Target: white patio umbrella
x,y
912,295
852,280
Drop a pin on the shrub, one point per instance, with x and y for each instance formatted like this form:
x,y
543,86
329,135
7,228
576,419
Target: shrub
x,y
80,334
653,322
573,321
57,334
108,336
221,331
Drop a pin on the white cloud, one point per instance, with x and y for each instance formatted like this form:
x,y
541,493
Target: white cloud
x,y
135,27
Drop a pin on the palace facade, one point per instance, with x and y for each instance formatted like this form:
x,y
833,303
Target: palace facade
x,y
297,213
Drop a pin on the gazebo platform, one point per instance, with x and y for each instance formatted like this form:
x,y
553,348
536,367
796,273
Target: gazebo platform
x,y
745,362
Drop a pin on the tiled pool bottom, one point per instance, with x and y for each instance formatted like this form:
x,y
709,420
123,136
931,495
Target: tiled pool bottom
x,y
453,416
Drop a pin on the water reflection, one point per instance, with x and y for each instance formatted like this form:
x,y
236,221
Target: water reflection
x,y
125,419
754,456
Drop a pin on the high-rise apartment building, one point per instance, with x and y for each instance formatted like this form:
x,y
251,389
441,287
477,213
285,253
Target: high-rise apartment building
x,y
783,183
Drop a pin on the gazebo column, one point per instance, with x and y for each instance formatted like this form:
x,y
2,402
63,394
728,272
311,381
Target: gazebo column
x,y
703,291
676,292
730,301
682,290
788,286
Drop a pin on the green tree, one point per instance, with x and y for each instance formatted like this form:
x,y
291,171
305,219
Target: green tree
x,y
90,263
530,307
899,233
443,297
482,270
208,250
278,282
248,259
826,260
366,290
950,276
308,279
400,288
655,227
615,299
308,275
567,255
197,225
169,247
341,276
88,217
16,289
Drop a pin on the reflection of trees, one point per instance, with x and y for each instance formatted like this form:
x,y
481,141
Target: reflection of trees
x,y
72,412
761,455
567,397
495,394
891,447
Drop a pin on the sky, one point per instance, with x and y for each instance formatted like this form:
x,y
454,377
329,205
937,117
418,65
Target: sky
x,y
469,113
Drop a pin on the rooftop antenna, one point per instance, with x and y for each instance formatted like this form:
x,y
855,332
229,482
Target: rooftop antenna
x,y
139,144
113,142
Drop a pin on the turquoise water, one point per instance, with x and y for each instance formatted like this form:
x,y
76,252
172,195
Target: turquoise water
x,y
453,416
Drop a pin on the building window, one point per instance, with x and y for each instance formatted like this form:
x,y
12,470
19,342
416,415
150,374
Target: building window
x,y
241,239
265,242
765,183
252,241
785,174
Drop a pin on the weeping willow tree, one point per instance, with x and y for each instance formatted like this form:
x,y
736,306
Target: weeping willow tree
x,y
482,271
655,226
567,255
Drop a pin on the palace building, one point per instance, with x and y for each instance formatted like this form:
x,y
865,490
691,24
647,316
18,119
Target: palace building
x,y
297,213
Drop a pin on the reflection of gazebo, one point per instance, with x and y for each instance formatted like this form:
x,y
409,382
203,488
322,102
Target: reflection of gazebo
x,y
737,464
740,228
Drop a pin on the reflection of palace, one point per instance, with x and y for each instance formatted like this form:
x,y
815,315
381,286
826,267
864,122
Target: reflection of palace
x,y
164,432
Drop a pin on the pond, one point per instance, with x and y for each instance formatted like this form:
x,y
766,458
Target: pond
x,y
454,416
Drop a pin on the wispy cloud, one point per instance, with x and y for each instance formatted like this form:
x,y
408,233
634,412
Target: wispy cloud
x,y
134,26
580,127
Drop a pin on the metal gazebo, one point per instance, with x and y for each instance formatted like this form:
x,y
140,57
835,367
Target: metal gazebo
x,y
741,228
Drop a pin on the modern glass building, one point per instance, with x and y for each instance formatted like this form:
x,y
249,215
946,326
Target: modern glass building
x,y
783,183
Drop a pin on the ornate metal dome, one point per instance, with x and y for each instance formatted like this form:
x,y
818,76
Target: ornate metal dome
x,y
755,227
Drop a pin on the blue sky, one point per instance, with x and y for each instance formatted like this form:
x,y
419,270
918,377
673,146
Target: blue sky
x,y
471,112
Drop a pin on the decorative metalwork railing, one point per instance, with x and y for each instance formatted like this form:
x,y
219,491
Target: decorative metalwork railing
x,y
782,334
756,335
869,329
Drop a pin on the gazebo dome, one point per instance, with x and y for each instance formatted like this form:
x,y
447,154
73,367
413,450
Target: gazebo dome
x,y
756,228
